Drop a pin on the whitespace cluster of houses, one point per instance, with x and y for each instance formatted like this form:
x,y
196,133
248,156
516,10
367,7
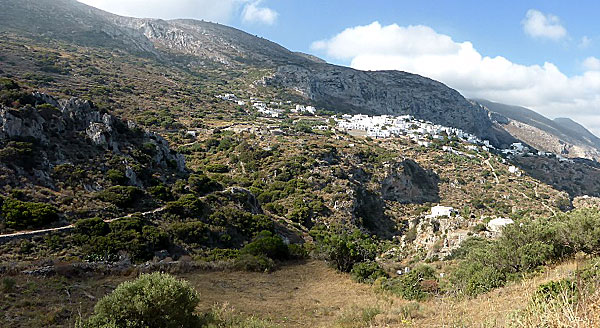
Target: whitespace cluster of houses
x,y
422,132
388,126
273,109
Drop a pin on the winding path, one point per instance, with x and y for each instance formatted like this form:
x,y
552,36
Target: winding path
x,y
28,234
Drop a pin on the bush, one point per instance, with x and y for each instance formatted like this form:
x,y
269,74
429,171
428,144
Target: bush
x,y
152,300
18,153
367,272
187,206
246,223
116,177
8,285
418,284
8,84
193,233
268,245
344,249
554,289
255,263
298,251
92,227
20,215
473,278
160,192
132,235
217,168
120,196
202,185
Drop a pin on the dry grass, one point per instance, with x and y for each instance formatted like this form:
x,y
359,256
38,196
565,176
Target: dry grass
x,y
314,295
302,295
564,310
309,294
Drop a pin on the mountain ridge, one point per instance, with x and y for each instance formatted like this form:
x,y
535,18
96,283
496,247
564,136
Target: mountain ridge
x,y
561,136
336,88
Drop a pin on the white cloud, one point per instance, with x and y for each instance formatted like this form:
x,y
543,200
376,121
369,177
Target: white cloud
x,y
222,11
538,25
254,14
421,50
592,64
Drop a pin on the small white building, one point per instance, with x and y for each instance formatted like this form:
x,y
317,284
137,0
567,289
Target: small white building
x,y
496,225
514,170
438,211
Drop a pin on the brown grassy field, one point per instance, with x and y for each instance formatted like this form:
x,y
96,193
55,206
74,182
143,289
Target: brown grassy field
x,y
314,295
308,294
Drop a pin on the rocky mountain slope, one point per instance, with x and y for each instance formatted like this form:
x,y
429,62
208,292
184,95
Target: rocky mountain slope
x,y
560,136
198,43
66,151
389,93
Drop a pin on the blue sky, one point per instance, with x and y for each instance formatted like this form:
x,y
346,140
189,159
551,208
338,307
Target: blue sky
x,y
540,54
494,27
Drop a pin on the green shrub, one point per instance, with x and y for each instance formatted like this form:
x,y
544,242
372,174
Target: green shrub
x,y
152,300
521,248
220,254
553,289
18,153
187,206
92,227
160,192
20,215
246,223
131,235
344,249
473,278
8,285
268,245
193,233
414,285
202,185
580,230
120,196
254,263
298,251
367,272
8,84
217,168
116,177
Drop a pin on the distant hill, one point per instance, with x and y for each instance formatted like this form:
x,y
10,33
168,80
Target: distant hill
x,y
561,136
192,43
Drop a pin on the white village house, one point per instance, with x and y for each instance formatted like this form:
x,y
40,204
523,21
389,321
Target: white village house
x,y
438,211
496,225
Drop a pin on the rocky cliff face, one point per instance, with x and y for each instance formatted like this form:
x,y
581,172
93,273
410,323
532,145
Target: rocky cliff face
x,y
387,92
210,41
74,130
408,183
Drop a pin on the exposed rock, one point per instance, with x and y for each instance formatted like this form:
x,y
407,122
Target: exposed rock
x,y
560,136
408,182
66,133
387,92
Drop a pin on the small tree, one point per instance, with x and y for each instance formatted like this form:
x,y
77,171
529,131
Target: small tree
x,y
152,300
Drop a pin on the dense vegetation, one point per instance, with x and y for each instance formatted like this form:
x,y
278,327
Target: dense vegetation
x,y
523,248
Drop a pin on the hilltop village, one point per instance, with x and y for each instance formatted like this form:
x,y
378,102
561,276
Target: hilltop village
x,y
421,132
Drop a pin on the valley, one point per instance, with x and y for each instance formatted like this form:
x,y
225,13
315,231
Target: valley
x,y
280,190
